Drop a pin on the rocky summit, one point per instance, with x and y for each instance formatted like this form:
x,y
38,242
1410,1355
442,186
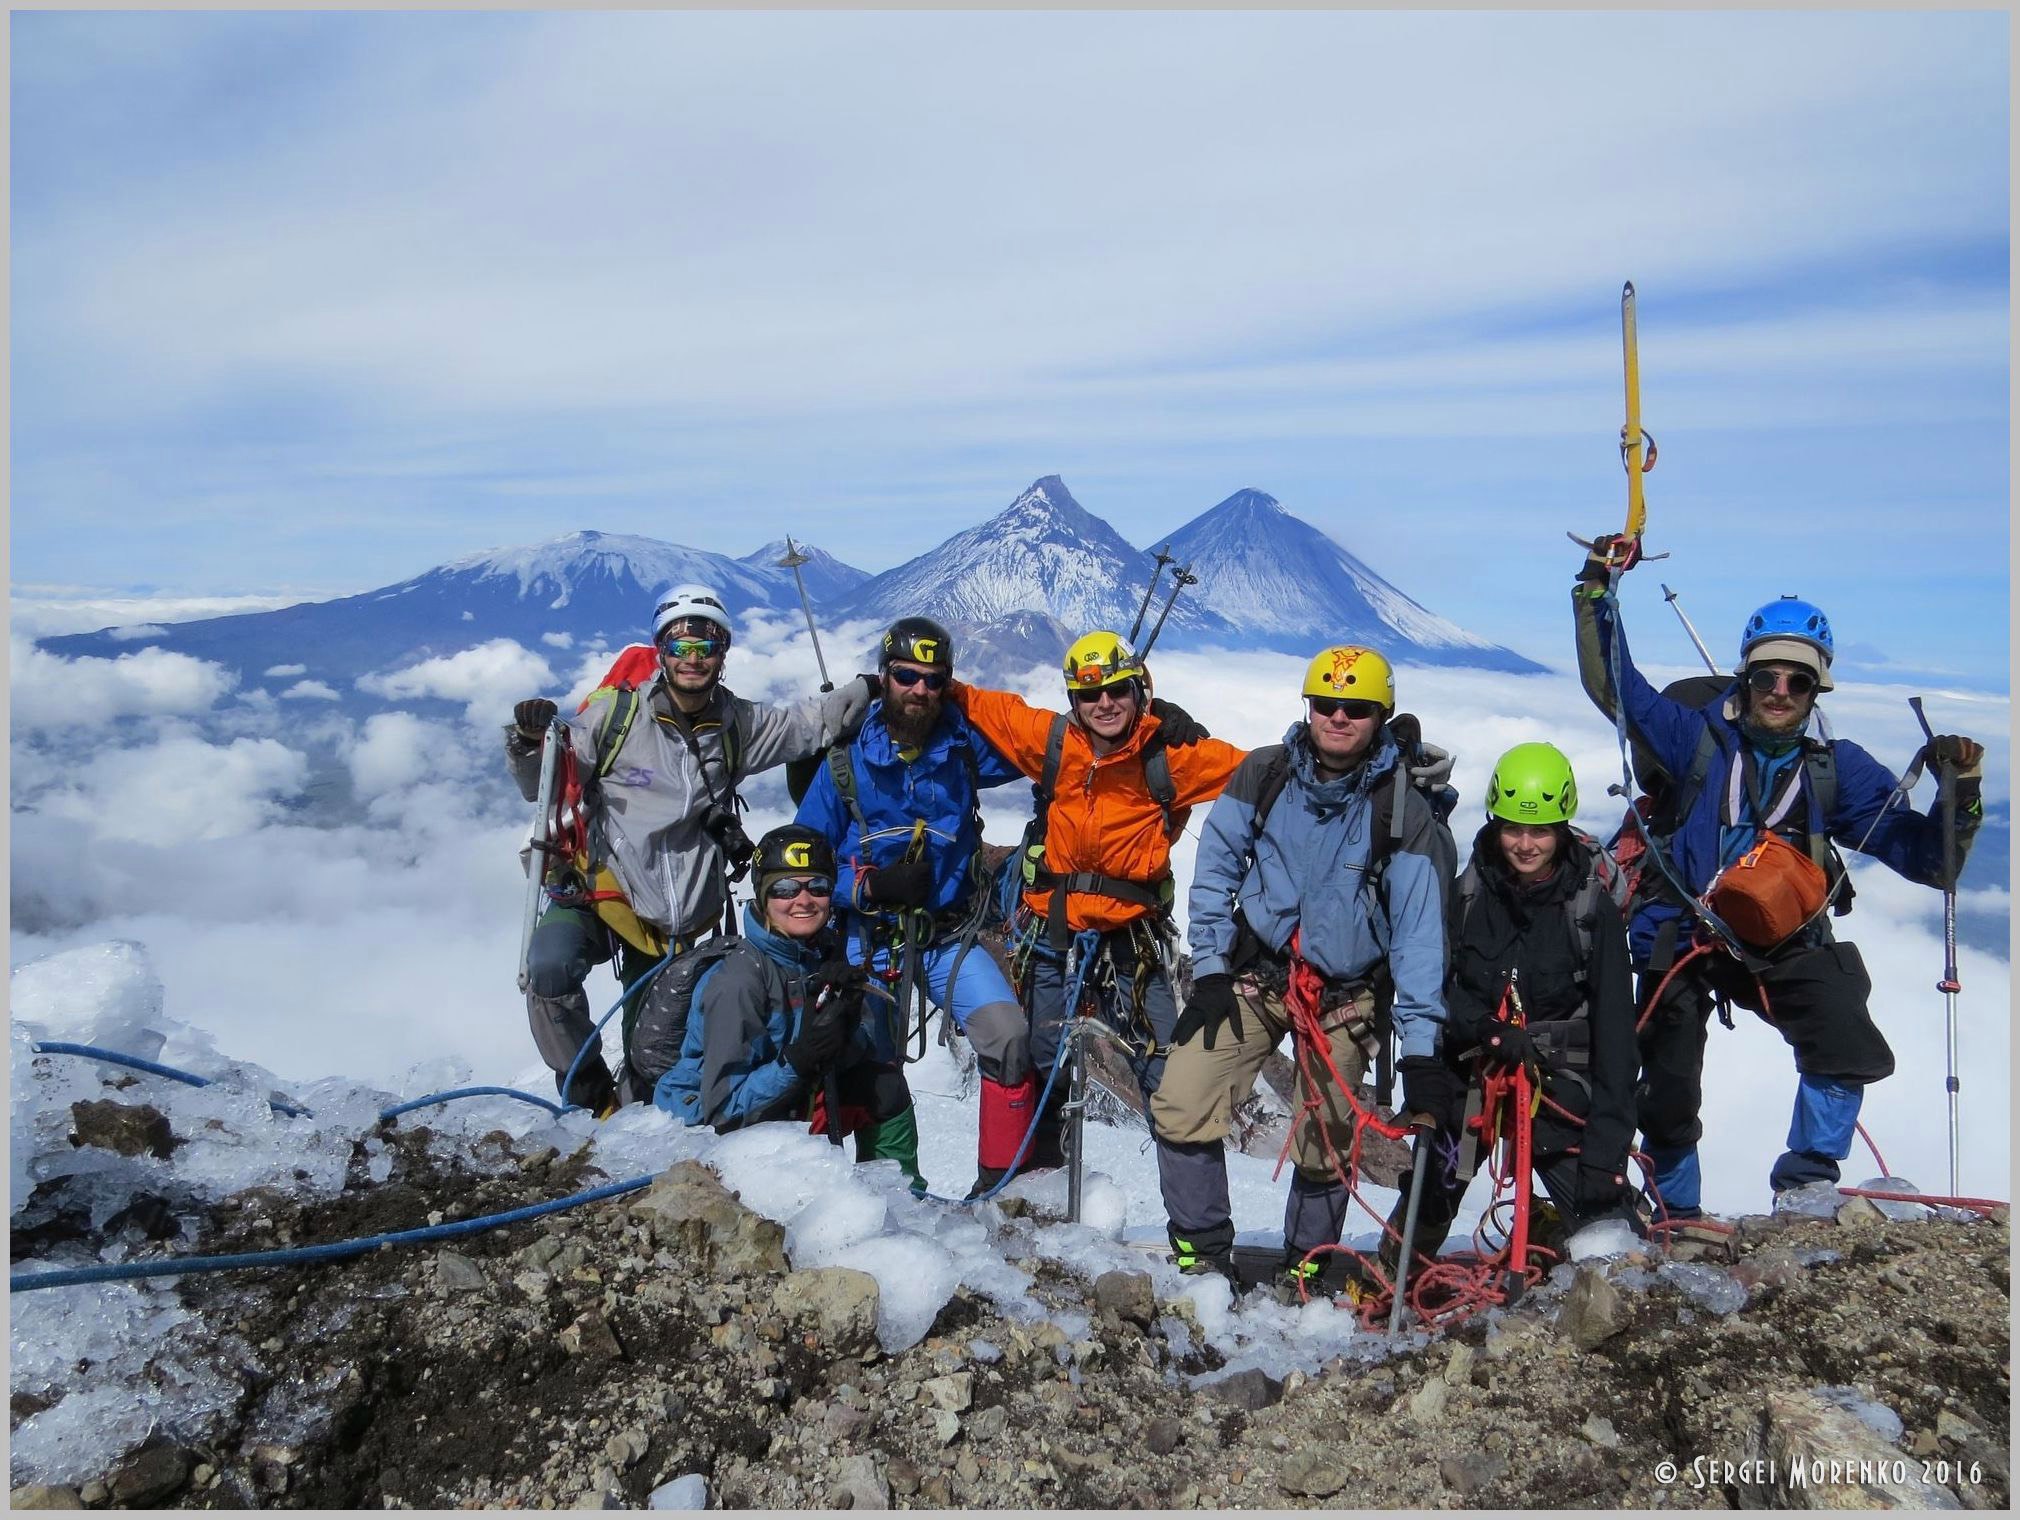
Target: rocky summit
x,y
658,1348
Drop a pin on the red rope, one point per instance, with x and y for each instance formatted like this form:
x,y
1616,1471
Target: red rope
x,y
1977,1205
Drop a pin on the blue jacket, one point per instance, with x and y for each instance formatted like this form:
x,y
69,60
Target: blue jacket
x,y
732,1069
937,785
1310,869
1909,842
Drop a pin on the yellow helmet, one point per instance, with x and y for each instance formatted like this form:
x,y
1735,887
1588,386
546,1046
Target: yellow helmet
x,y
1351,670
1101,659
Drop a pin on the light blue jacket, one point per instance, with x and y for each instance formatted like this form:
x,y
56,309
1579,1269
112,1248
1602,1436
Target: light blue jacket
x,y
1309,869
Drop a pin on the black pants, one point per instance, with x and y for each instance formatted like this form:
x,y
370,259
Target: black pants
x,y
1816,999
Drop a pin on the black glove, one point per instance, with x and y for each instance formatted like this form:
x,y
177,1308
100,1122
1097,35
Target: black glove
x,y
532,716
1211,1005
1503,1047
1966,755
1607,551
1178,726
824,1029
1597,1191
905,884
1433,1089
842,983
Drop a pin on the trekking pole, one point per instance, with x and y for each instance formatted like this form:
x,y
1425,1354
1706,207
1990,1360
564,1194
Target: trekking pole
x,y
1076,1110
1949,986
1677,607
1180,579
791,560
1420,1160
1156,573
543,818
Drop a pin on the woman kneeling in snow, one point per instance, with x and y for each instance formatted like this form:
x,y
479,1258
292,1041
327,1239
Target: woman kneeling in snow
x,y
776,1028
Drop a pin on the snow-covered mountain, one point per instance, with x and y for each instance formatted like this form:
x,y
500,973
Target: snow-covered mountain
x,y
576,590
1290,587
828,579
1044,552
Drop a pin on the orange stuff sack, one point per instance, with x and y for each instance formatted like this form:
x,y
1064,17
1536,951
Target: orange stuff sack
x,y
1768,893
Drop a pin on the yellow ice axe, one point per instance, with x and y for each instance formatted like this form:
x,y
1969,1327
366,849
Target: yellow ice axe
x,y
1633,436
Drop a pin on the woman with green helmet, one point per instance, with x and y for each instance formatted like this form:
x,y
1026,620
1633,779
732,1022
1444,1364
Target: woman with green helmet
x,y
1533,908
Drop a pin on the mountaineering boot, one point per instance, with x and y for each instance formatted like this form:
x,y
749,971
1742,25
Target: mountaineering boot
x,y
1007,1112
1300,1280
895,1139
593,1088
1200,1253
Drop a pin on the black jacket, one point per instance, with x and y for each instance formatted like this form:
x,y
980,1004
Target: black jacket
x,y
1582,1015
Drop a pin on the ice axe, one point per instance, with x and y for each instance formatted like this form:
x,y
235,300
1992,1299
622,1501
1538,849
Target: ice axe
x,y
1949,986
1633,436
791,560
1164,557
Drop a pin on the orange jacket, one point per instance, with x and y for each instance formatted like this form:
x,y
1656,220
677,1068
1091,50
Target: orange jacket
x,y
1103,818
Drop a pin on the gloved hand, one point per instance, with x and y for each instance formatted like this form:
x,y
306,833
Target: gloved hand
x,y
1626,552
1432,767
1178,726
1503,1047
532,716
872,683
1432,1089
1967,755
1211,1005
1597,1191
903,884
841,982
824,1029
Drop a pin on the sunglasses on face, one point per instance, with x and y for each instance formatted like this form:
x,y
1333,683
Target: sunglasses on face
x,y
1800,682
681,647
935,680
1086,696
786,888
1353,707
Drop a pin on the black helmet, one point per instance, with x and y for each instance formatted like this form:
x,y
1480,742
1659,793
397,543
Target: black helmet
x,y
793,849
919,639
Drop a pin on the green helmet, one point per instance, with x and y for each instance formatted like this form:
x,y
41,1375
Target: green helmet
x,y
1532,783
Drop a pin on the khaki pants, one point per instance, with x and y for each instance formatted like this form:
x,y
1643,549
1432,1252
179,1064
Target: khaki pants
x,y
1196,1101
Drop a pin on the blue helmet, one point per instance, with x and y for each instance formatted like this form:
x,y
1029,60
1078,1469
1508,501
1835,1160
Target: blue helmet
x,y
1790,629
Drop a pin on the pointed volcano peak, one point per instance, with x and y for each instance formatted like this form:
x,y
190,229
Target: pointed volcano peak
x,y
1044,504
1248,499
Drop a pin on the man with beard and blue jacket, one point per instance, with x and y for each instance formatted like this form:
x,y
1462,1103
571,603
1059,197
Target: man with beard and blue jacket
x,y
1321,837
899,805
1755,765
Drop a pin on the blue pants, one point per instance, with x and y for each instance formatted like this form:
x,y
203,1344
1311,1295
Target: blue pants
x,y
979,1000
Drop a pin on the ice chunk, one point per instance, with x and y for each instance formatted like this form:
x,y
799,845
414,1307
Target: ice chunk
x,y
778,1169
837,1219
1893,1208
1813,1200
1607,1237
1871,1411
688,1491
106,995
915,1278
1707,1287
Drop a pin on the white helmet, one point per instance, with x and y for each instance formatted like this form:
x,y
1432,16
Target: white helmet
x,y
677,603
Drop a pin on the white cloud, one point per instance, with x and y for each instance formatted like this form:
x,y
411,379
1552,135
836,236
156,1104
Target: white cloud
x,y
42,612
320,691
277,672
558,640
51,691
394,751
133,633
181,789
487,679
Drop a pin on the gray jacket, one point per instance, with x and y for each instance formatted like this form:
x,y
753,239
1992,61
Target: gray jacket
x,y
669,774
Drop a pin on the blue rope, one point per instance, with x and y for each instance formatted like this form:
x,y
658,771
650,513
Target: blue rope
x,y
128,1271
473,1092
568,1081
113,1057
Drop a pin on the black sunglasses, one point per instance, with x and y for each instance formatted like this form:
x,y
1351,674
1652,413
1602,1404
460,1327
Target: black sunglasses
x,y
1353,707
786,888
1800,682
936,680
1087,696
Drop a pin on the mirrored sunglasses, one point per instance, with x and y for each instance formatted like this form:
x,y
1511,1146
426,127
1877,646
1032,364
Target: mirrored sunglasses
x,y
682,647
1800,682
936,680
1353,707
788,887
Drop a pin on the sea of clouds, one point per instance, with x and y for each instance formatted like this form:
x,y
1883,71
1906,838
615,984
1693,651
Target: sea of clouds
x,y
157,799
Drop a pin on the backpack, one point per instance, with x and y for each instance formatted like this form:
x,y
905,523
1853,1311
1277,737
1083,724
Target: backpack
x,y
663,1012
1604,878
1026,865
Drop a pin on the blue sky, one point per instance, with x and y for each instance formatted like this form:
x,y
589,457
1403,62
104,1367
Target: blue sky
x,y
317,301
